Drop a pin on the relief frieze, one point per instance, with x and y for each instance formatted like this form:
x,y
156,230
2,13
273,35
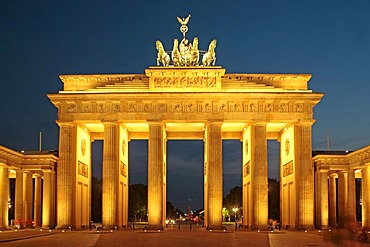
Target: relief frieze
x,y
185,82
123,168
207,107
268,107
101,108
86,108
71,108
222,107
116,108
238,107
288,169
191,107
162,107
283,107
132,107
253,107
185,107
147,107
247,169
177,107
83,169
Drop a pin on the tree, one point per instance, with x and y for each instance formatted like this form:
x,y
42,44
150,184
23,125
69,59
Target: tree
x,y
96,200
274,199
138,201
170,211
233,201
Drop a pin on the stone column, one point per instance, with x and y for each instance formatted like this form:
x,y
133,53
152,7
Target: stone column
x,y
351,204
4,193
304,174
366,196
27,198
156,188
214,175
66,175
110,175
259,173
18,204
342,198
48,205
37,201
332,201
322,198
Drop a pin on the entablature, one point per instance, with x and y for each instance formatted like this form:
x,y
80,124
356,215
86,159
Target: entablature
x,y
352,160
185,79
184,106
13,159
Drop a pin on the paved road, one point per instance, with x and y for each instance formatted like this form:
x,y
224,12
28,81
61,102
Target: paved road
x,y
176,238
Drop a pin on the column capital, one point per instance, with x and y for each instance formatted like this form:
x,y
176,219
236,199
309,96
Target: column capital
x,y
36,175
65,124
305,122
154,122
323,170
107,123
333,174
48,170
259,123
343,172
214,122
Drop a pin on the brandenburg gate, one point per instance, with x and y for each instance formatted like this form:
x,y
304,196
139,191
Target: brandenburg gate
x,y
185,97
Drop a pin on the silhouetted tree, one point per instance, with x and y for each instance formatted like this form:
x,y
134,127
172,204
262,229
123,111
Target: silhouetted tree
x,y
274,198
96,200
234,200
170,211
138,201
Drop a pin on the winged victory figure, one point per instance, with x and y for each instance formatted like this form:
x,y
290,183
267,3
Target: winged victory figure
x,y
184,21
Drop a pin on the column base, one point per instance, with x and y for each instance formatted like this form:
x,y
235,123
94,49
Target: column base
x,y
61,227
216,227
324,227
153,228
109,227
305,228
46,227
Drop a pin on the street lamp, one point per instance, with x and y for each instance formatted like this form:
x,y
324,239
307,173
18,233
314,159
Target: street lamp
x,y
235,210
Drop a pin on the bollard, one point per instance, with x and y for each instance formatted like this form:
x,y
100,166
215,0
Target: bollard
x,y
179,225
190,225
236,226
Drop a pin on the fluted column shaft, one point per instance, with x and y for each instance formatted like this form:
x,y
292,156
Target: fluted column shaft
x,y
110,174
366,196
342,198
322,199
4,193
66,175
214,175
259,173
27,198
304,173
18,210
37,201
351,205
48,205
332,201
156,189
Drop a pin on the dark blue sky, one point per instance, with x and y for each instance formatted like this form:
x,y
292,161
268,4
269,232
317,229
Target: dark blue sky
x,y
40,40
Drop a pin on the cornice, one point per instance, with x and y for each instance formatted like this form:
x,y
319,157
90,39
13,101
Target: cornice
x,y
11,159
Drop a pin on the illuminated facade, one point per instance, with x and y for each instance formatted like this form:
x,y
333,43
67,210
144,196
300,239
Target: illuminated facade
x,y
32,202
335,185
199,103
184,97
